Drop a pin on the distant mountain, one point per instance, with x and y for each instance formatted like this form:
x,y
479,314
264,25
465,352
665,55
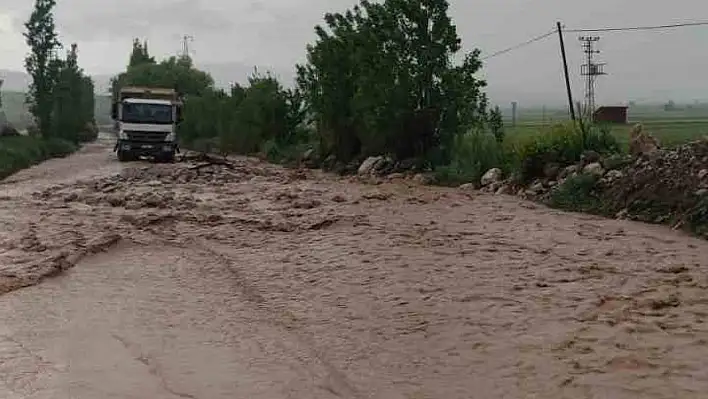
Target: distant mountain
x,y
14,80
19,81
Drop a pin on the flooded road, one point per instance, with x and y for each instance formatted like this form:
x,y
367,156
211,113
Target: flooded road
x,y
203,281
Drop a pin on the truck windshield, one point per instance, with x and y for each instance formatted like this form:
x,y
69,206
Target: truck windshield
x,y
147,113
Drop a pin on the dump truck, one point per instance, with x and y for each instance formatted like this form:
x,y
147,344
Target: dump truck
x,y
146,120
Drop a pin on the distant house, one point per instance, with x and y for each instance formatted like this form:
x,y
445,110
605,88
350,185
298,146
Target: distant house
x,y
611,114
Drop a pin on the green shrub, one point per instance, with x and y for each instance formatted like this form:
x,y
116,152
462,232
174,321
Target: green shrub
x,y
288,154
259,117
87,134
697,218
617,161
57,148
577,194
561,144
472,155
17,153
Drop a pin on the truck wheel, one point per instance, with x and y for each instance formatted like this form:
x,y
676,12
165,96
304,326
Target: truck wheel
x,y
168,157
124,156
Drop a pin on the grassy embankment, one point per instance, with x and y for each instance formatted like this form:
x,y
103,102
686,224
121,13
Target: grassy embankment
x,y
17,153
541,138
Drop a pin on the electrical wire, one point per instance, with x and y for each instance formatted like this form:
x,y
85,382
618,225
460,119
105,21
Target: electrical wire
x,y
624,29
635,28
520,45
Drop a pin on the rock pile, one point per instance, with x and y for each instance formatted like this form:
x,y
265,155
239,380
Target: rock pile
x,y
655,185
381,166
667,186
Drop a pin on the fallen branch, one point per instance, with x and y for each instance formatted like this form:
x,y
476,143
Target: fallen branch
x,y
207,160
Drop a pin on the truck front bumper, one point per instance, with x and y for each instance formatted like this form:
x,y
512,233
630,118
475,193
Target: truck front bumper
x,y
146,149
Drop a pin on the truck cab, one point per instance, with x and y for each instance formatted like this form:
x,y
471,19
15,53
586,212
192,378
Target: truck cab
x,y
146,123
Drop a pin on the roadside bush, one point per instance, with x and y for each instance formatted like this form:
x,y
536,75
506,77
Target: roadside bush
x,y
577,194
562,144
7,130
472,155
261,117
57,148
697,218
17,153
88,133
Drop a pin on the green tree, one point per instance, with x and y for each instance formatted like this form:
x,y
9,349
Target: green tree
x,y
140,54
261,116
247,119
174,72
496,124
73,101
380,79
41,63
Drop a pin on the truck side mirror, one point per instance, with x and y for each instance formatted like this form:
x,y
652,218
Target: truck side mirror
x,y
114,111
180,116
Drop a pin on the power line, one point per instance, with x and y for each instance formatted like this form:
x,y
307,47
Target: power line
x,y
520,45
595,30
635,28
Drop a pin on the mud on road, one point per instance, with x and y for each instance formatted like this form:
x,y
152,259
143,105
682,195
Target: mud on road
x,y
182,281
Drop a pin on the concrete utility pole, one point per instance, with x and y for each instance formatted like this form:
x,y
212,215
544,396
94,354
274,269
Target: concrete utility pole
x,y
559,27
590,70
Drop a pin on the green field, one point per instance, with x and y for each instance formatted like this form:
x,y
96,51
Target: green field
x,y
670,127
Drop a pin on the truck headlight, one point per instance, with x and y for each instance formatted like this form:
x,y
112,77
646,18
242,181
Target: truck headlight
x,y
122,135
170,137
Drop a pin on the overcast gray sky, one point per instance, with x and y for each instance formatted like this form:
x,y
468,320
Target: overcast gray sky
x,y
642,65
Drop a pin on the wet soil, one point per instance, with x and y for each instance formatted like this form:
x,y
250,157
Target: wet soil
x,y
181,281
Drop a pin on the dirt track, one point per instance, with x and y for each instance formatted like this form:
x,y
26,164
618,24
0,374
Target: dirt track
x,y
260,282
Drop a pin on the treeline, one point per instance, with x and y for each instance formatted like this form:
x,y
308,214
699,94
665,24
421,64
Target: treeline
x,y
383,78
60,98
380,79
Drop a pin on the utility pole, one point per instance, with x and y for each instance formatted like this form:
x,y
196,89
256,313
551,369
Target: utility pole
x,y
544,115
590,70
565,70
514,106
185,44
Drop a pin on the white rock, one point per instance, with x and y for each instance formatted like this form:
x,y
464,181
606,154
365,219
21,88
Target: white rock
x,y
537,187
702,174
503,190
492,176
614,175
368,165
308,155
571,169
594,168
422,179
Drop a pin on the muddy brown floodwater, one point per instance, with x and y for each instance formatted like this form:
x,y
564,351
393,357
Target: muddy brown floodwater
x,y
182,281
